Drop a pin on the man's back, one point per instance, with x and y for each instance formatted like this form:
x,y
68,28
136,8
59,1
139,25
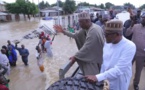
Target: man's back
x,y
127,24
138,38
90,55
93,45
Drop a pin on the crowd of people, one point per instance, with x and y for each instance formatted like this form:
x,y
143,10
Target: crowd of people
x,y
8,59
44,46
108,48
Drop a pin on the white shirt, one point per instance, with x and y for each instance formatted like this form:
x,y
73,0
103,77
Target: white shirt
x,y
5,62
117,64
3,59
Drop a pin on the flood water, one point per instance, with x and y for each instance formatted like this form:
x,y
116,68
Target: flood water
x,y
30,77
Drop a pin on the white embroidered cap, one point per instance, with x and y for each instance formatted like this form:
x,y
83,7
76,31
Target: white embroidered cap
x,y
84,15
114,24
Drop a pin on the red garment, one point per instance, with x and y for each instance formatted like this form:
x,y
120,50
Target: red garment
x,y
49,39
42,34
3,87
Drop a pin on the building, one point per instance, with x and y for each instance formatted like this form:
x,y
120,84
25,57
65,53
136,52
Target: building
x,y
3,15
118,8
51,11
2,7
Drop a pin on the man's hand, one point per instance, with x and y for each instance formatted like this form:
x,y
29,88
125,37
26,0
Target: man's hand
x,y
58,28
91,78
132,23
73,59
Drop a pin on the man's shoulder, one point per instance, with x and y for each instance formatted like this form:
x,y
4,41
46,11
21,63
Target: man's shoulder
x,y
98,23
96,27
137,25
127,22
129,43
3,55
26,49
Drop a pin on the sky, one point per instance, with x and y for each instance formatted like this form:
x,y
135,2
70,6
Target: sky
x,y
137,3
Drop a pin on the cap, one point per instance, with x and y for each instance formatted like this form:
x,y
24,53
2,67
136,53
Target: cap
x,y
114,25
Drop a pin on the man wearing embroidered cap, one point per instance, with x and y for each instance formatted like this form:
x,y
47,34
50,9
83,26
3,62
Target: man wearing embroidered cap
x,y
90,41
118,53
138,37
101,22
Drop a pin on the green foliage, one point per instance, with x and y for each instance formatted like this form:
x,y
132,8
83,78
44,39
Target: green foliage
x,y
41,5
129,5
94,5
60,4
108,5
69,6
22,6
102,6
13,8
83,4
30,8
47,4
142,6
54,4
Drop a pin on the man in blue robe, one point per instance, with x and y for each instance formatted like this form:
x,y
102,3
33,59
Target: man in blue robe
x,y
24,53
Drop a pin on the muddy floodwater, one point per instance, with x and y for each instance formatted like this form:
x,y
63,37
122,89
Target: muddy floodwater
x,y
30,77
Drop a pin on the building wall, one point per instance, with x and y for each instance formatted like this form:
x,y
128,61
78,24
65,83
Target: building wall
x,y
2,7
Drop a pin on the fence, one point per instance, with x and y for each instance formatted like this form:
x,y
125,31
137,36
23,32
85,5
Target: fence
x,y
67,20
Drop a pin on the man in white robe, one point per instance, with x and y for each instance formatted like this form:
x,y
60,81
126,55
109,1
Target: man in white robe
x,y
118,54
4,61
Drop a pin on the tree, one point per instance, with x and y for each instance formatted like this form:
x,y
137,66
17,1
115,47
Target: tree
x,y
142,6
60,4
22,6
102,6
31,9
41,5
13,8
108,5
46,4
54,4
83,4
129,5
95,5
69,6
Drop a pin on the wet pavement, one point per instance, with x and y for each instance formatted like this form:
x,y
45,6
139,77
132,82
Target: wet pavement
x,y
30,77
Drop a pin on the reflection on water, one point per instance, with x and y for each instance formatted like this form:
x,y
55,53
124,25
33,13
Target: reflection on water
x,y
30,78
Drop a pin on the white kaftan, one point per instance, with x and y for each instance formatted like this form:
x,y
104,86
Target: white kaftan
x,y
117,64
5,62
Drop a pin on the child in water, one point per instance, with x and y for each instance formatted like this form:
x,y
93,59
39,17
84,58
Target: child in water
x,y
39,57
